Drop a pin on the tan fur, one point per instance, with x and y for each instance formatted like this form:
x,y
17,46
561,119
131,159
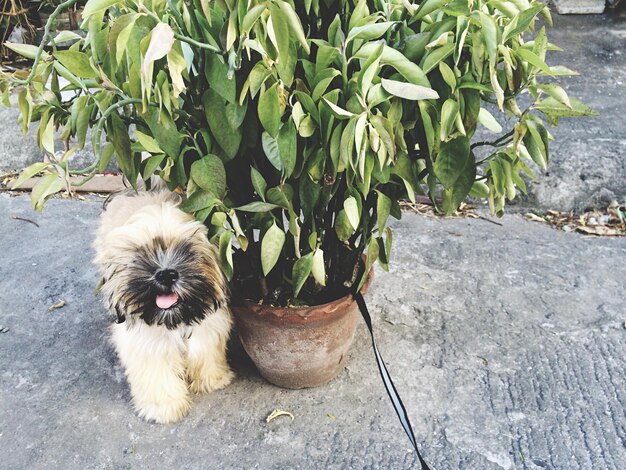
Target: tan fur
x,y
163,366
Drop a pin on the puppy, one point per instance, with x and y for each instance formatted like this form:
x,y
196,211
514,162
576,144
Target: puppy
x,y
161,278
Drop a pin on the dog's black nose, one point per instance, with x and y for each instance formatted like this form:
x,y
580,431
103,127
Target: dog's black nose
x,y
166,277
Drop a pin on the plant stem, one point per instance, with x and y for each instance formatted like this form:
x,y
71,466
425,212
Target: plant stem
x,y
495,143
201,45
46,37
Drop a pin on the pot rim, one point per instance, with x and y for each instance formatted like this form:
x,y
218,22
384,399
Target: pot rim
x,y
297,314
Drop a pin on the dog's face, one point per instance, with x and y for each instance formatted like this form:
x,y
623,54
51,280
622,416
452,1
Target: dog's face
x,y
160,268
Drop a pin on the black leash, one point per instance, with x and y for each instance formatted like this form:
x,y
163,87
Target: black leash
x,y
391,388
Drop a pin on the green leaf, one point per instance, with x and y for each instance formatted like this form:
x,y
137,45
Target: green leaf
x,y
93,6
556,92
449,112
294,24
432,59
552,107
251,17
536,142
453,196
164,130
404,169
44,188
226,254
227,137
278,31
383,207
105,156
199,200
258,182
216,72
271,247
83,115
560,71
326,55
257,206
453,160
118,136
447,75
343,227
77,63
287,147
339,113
309,192
475,86
427,7
122,38
373,251
209,174
26,50
300,273
519,24
270,148
479,190
397,60
408,91
269,110
490,36
307,126
487,120
47,136
281,195
29,172
147,142
369,31
534,60
151,164
368,71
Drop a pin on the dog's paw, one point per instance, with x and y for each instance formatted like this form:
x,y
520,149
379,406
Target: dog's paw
x,y
210,382
164,412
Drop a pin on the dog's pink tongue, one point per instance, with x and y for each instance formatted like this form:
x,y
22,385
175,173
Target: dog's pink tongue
x,y
166,300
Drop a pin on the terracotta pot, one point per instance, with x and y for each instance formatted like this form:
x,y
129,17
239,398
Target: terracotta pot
x,y
298,347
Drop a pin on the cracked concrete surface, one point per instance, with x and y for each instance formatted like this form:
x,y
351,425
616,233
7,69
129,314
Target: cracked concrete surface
x,y
507,344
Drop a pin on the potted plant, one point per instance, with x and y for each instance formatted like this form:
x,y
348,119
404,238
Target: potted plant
x,y
295,128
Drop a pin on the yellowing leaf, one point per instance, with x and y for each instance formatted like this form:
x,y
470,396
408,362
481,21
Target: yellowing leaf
x,y
161,42
408,91
271,247
487,120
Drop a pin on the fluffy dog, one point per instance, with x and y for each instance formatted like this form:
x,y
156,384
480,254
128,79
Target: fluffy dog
x,y
161,277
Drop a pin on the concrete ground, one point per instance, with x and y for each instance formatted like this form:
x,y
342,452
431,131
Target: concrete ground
x,y
507,343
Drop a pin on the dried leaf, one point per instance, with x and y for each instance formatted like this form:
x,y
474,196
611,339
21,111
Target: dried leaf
x,y
59,304
276,413
535,217
602,230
